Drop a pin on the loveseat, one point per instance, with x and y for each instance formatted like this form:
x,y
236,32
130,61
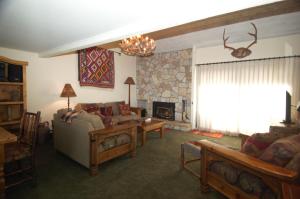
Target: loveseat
x,y
86,140
254,171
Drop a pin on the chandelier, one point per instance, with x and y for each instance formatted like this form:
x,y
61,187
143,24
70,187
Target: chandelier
x,y
138,45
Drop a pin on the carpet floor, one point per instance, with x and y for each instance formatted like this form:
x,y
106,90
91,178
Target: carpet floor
x,y
153,173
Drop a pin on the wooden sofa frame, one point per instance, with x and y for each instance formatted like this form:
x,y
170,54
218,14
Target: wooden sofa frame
x,y
280,180
98,136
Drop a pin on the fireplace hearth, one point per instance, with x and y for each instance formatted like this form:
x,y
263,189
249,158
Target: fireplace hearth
x,y
164,110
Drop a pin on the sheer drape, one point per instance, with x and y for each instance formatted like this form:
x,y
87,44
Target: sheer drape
x,y
247,96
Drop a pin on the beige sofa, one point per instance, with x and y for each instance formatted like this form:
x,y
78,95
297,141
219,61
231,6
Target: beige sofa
x,y
74,139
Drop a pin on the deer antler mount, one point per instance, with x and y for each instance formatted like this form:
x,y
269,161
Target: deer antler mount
x,y
241,52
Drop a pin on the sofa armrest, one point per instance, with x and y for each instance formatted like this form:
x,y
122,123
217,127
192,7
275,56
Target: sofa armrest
x,y
137,110
243,139
246,161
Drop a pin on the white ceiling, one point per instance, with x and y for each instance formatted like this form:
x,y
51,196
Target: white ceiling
x,y
268,27
53,27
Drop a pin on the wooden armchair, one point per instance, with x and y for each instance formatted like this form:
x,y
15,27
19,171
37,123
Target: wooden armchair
x,y
281,181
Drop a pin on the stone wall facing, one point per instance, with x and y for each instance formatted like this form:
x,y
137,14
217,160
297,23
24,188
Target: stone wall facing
x,y
165,77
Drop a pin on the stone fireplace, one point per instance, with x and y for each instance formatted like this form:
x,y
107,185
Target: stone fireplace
x,y
164,110
166,77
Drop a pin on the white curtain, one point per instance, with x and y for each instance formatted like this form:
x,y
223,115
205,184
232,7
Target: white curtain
x,y
245,97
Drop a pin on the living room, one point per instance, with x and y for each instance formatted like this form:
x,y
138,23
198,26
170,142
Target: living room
x,y
170,75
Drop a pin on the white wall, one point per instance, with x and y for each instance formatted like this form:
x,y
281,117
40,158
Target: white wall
x,y
46,78
273,47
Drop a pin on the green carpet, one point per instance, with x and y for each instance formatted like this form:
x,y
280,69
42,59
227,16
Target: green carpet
x,y
153,173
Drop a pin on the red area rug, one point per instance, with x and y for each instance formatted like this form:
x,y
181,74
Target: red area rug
x,y
207,134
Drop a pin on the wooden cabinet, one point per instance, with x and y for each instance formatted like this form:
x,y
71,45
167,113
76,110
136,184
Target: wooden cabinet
x,y
12,91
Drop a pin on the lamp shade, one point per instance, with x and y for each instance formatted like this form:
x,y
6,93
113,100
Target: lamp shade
x,y
129,80
68,91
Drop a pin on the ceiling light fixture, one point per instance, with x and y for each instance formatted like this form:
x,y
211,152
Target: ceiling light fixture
x,y
138,45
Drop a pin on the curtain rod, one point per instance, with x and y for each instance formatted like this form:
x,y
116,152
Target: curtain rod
x,y
246,60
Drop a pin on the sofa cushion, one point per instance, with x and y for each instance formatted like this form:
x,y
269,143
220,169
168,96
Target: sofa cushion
x,y
95,120
123,118
247,182
124,109
282,150
258,142
294,164
114,141
106,111
115,106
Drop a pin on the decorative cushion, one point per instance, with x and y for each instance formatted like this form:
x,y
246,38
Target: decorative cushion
x,y
124,109
69,116
282,150
115,107
258,142
247,182
107,120
228,172
251,184
106,111
294,164
91,108
123,139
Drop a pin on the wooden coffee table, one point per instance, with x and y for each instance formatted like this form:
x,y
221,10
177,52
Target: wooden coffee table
x,y
144,128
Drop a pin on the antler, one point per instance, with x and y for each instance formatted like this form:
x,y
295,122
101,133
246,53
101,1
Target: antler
x,y
254,35
224,41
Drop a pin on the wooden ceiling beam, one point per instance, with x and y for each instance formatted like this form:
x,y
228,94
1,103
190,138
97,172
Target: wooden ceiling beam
x,y
277,8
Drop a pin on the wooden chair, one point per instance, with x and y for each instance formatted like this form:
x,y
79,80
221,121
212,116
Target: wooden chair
x,y
20,156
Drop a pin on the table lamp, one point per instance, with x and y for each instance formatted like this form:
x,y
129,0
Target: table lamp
x,y
129,81
68,92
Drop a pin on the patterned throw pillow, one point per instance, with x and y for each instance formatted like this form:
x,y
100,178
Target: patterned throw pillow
x,y
69,116
91,108
106,111
124,109
256,144
294,164
105,119
282,150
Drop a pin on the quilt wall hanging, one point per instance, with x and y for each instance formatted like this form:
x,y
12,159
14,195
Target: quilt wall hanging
x,y
96,67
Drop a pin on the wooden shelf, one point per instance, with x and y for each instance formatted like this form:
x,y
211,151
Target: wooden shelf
x,y
10,122
11,103
13,98
12,83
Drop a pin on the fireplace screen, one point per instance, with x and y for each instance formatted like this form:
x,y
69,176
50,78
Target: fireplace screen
x,y
164,110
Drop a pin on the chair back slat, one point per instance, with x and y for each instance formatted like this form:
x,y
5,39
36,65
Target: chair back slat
x,y
29,128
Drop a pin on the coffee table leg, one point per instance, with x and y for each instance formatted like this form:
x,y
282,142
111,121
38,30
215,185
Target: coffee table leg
x,y
162,131
143,137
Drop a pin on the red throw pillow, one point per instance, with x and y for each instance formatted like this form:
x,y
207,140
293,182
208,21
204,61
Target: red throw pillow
x,y
106,111
90,108
124,109
107,120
